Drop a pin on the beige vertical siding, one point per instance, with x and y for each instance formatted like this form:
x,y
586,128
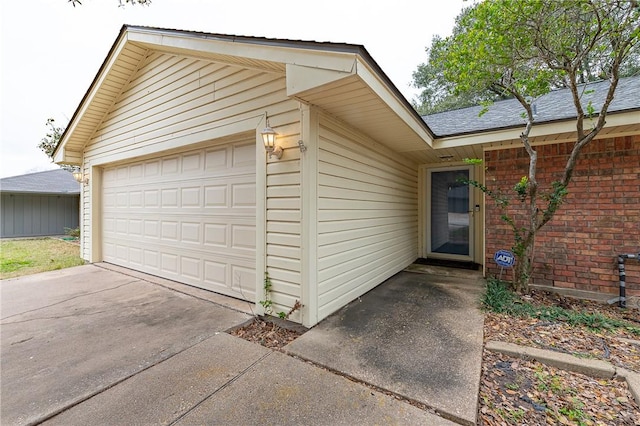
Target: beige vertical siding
x,y
367,215
175,103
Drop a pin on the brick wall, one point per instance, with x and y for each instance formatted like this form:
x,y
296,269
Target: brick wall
x,y
599,219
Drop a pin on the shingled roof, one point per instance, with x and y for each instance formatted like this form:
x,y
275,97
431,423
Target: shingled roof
x,y
57,181
554,106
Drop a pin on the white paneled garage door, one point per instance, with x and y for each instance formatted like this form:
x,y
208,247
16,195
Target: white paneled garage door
x,y
189,217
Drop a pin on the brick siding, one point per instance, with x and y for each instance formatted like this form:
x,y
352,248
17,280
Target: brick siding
x,y
600,218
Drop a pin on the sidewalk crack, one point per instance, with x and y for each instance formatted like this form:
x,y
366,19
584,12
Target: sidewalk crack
x,y
62,301
224,386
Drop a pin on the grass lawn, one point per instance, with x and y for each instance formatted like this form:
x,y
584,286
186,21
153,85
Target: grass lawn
x,y
26,257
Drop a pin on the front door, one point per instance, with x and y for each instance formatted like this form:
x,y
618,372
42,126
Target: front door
x,y
449,214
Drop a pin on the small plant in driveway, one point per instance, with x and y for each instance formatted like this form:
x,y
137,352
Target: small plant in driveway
x,y
267,303
271,332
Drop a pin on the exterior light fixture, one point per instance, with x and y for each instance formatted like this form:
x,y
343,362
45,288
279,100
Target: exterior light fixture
x,y
269,140
80,177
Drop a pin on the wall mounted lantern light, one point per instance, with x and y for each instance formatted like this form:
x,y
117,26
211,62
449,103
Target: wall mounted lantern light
x,y
80,177
269,140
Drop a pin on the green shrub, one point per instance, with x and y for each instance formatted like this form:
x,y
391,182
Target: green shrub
x,y
72,232
500,299
497,296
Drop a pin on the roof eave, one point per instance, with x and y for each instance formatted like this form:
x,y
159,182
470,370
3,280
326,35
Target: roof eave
x,y
59,155
335,57
539,130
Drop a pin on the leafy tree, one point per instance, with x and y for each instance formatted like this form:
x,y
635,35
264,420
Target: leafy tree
x,y
438,93
441,94
121,3
49,143
523,49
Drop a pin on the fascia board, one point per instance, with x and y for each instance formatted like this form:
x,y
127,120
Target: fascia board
x,y
59,154
262,52
538,130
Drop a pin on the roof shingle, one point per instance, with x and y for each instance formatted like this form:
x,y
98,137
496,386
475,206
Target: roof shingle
x,y
554,106
57,181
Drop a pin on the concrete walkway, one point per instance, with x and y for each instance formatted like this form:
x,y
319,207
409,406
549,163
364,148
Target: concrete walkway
x,y
418,335
88,345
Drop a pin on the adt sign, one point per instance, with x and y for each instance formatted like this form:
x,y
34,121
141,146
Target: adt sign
x,y
504,258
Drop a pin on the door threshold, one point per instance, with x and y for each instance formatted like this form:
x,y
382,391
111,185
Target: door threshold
x,y
448,263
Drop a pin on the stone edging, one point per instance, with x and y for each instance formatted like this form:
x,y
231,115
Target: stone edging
x,y
590,367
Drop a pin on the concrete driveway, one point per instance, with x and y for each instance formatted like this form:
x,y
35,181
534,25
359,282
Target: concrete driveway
x,y
96,345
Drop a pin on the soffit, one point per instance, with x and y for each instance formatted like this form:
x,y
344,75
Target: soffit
x,y
344,84
352,101
107,86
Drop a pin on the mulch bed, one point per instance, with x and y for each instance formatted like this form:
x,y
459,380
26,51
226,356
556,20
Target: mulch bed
x,y
272,333
519,392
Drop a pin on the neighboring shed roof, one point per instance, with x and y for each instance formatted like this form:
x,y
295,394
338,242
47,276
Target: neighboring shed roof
x,y
57,181
554,106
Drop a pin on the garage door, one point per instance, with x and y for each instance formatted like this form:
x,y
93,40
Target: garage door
x,y
189,217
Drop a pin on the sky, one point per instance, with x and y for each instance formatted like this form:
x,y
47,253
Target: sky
x,y
51,51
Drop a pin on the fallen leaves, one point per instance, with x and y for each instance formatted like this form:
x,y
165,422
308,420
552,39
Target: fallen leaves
x,y
267,333
521,392
615,346
529,393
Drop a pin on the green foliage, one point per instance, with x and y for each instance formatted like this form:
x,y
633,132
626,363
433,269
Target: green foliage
x,y
267,303
72,232
525,48
512,416
25,257
554,199
549,383
521,188
49,143
472,161
437,92
574,411
500,200
11,265
499,299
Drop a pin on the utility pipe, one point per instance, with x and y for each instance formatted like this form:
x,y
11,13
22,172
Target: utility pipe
x,y
622,300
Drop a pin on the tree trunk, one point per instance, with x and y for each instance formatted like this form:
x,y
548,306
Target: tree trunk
x,y
524,267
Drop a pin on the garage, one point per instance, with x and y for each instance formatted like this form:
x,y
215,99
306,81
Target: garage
x,y
188,216
178,182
